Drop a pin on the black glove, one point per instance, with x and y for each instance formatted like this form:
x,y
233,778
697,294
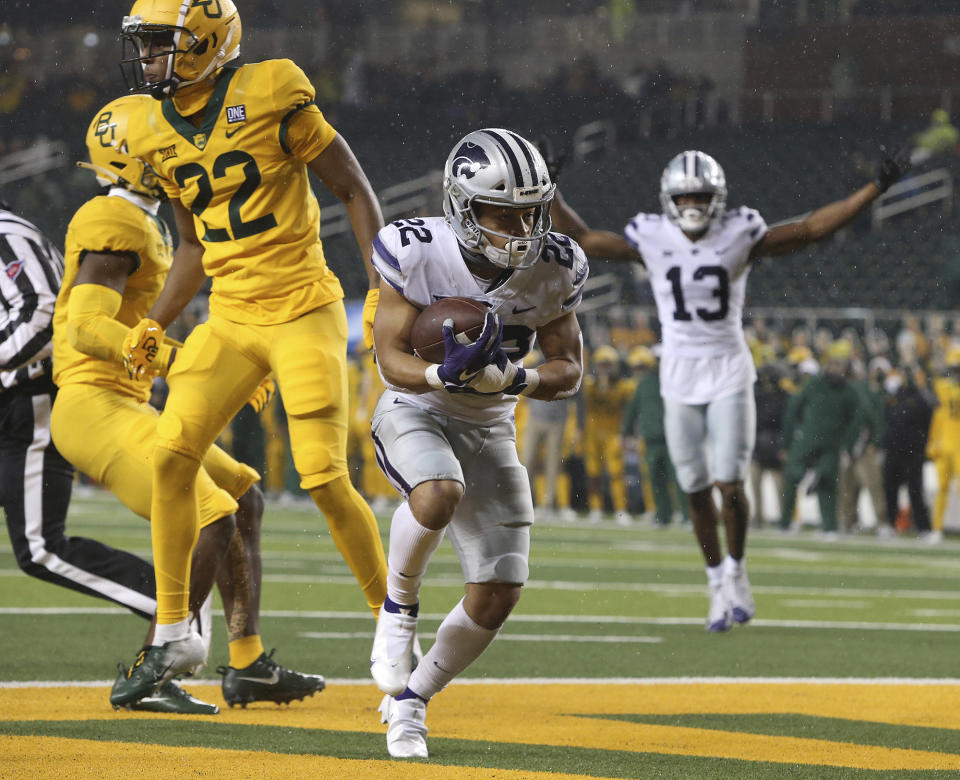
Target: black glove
x,y
555,162
892,167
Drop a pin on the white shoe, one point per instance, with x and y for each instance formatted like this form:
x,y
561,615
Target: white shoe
x,y
186,656
739,597
623,518
933,537
719,618
885,531
391,659
407,730
567,515
595,516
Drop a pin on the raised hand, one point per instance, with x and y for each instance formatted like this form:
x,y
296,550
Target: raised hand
x,y
555,162
892,167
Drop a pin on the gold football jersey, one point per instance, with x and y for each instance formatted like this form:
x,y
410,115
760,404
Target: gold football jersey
x,y
242,173
605,403
945,428
111,224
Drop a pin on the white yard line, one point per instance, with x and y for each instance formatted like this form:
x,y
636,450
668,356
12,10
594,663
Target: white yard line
x,y
521,618
905,681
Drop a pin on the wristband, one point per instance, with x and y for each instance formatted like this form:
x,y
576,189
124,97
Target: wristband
x,y
533,381
432,377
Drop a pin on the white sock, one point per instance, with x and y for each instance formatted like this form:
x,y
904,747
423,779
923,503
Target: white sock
x,y
460,642
411,547
202,622
715,575
732,567
172,632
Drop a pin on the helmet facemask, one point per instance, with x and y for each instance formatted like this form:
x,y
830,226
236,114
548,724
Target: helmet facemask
x,y
147,42
693,173
199,42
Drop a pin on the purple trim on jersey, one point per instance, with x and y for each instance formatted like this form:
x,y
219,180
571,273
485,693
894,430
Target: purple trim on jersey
x,y
573,300
384,253
396,287
388,470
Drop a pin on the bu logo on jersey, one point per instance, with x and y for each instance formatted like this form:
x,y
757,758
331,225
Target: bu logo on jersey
x,y
470,160
13,270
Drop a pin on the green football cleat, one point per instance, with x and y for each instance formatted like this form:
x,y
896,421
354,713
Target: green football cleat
x,y
170,697
154,666
266,680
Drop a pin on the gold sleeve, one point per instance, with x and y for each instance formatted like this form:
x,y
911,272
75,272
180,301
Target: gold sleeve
x,y
92,327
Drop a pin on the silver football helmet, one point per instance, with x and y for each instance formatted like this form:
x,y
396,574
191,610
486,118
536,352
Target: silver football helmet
x,y
500,168
693,173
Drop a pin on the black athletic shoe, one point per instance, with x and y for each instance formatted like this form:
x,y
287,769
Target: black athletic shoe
x,y
266,680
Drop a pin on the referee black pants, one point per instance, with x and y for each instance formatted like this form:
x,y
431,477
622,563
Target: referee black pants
x,y
35,485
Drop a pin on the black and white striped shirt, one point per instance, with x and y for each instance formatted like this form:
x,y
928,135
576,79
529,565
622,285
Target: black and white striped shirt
x,y
31,269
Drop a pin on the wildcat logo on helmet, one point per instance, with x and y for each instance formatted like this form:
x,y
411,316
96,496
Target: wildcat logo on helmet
x,y
470,160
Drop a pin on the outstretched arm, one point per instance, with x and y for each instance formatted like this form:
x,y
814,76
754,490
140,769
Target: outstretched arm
x,y
830,218
595,243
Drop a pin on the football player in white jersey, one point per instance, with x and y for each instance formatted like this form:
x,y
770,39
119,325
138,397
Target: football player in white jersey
x,y
444,433
698,255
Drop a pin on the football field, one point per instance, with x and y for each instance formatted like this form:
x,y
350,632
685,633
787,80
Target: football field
x,y
851,668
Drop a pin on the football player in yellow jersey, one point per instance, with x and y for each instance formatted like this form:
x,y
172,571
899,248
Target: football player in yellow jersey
x,y
118,253
943,445
233,147
605,397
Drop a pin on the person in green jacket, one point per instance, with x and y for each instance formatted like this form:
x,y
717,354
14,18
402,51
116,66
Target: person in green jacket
x,y
865,469
821,426
643,419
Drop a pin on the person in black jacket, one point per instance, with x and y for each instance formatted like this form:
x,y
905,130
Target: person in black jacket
x,y
908,413
771,397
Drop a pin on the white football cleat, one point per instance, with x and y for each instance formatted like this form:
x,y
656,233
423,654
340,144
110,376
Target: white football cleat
x,y
392,656
406,729
719,617
739,597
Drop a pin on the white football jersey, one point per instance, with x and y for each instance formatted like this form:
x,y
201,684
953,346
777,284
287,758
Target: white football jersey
x,y
699,287
421,260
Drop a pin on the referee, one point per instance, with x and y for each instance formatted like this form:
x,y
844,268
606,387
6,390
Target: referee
x,y
35,479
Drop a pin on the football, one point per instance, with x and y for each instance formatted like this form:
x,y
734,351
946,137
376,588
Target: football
x,y
427,335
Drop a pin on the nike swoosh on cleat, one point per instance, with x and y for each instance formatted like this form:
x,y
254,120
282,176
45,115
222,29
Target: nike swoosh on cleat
x,y
271,680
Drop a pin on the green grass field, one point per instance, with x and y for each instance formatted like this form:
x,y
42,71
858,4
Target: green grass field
x,y
849,670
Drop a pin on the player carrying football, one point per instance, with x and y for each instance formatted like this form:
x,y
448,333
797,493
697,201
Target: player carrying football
x,y
698,255
445,433
233,147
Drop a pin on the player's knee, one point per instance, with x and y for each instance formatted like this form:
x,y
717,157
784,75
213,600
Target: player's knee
x,y
317,463
250,510
433,502
513,568
175,469
489,604
219,533
731,492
